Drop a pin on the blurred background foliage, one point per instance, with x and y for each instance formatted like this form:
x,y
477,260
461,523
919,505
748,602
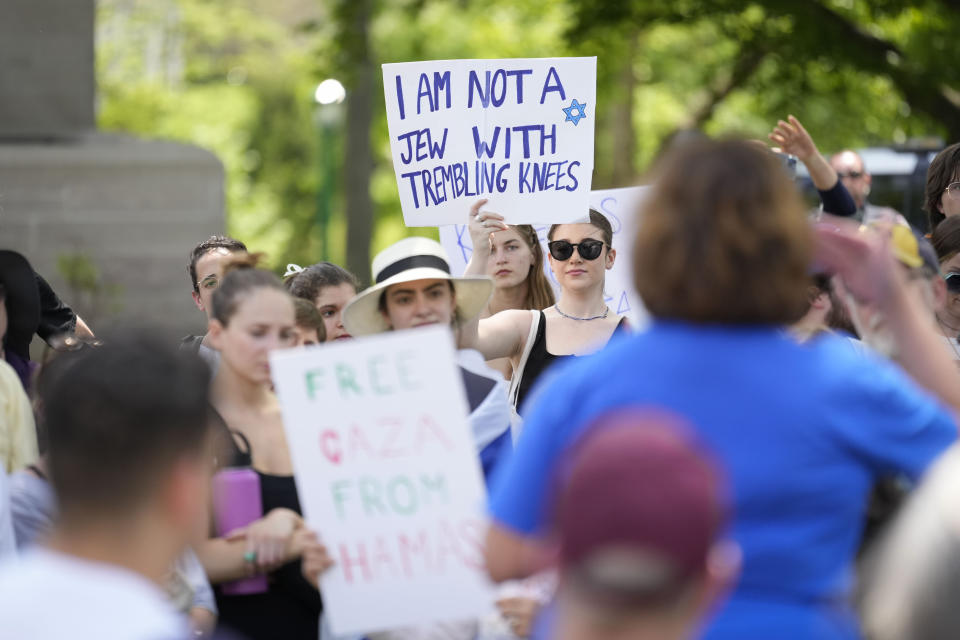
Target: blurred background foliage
x,y
238,77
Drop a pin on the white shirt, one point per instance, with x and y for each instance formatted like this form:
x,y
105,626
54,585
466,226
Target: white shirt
x,y
491,418
47,595
8,541
211,357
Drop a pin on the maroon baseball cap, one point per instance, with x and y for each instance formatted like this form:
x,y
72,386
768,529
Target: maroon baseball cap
x,y
640,506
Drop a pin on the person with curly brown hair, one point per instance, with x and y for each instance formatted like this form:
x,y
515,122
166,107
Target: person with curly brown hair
x,y
329,287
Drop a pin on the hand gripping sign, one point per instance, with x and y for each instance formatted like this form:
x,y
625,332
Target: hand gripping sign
x,y
388,476
516,131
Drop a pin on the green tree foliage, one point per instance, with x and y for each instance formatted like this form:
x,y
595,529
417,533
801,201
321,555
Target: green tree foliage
x,y
237,77
857,72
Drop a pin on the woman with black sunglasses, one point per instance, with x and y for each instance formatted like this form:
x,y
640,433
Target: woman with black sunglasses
x,y
579,323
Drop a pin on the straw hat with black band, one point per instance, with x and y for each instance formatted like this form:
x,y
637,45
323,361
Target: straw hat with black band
x,y
406,261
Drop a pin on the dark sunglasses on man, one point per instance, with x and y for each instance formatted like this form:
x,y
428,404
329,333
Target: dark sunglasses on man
x,y
588,249
953,282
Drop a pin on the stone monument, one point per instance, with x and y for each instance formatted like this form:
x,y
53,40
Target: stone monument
x,y
109,220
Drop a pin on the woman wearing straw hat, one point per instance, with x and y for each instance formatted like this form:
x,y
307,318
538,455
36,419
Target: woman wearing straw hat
x,y
413,288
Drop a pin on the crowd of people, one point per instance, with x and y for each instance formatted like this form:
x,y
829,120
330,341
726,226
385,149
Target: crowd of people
x,y
751,464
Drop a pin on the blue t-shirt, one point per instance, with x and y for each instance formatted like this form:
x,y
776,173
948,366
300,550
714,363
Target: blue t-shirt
x,y
803,431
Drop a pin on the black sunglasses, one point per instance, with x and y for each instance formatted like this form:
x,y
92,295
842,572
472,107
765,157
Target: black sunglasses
x,y
953,282
588,249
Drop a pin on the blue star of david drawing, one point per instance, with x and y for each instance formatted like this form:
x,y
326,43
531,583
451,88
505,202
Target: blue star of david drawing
x,y
575,107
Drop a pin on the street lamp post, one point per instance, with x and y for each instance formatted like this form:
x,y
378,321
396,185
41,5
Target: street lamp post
x,y
329,96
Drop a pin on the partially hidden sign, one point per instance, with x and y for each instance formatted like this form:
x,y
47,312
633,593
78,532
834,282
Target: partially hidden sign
x,y
388,477
516,131
620,208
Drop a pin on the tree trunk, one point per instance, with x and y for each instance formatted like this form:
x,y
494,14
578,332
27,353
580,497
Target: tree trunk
x,y
921,87
358,157
746,64
624,137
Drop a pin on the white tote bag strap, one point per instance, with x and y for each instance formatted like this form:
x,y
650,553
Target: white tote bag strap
x,y
516,422
521,365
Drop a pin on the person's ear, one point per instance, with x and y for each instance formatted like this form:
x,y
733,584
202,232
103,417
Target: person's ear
x,y
939,289
724,563
215,333
611,257
197,300
386,318
821,301
185,496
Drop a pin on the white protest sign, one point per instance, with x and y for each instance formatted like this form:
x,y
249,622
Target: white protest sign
x,y
388,476
516,131
620,208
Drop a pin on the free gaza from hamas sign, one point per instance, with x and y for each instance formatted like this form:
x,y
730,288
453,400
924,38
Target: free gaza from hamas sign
x,y
388,476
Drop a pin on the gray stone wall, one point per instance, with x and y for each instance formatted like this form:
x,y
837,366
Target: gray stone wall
x,y
132,209
108,220
46,68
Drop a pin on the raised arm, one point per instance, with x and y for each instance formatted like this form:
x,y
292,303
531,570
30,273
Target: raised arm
x,y
504,334
482,225
792,138
865,263
508,555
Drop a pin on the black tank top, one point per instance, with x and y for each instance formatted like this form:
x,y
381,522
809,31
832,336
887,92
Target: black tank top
x,y
290,608
539,358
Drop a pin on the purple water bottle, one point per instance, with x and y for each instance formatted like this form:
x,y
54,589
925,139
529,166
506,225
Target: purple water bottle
x,y
237,503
